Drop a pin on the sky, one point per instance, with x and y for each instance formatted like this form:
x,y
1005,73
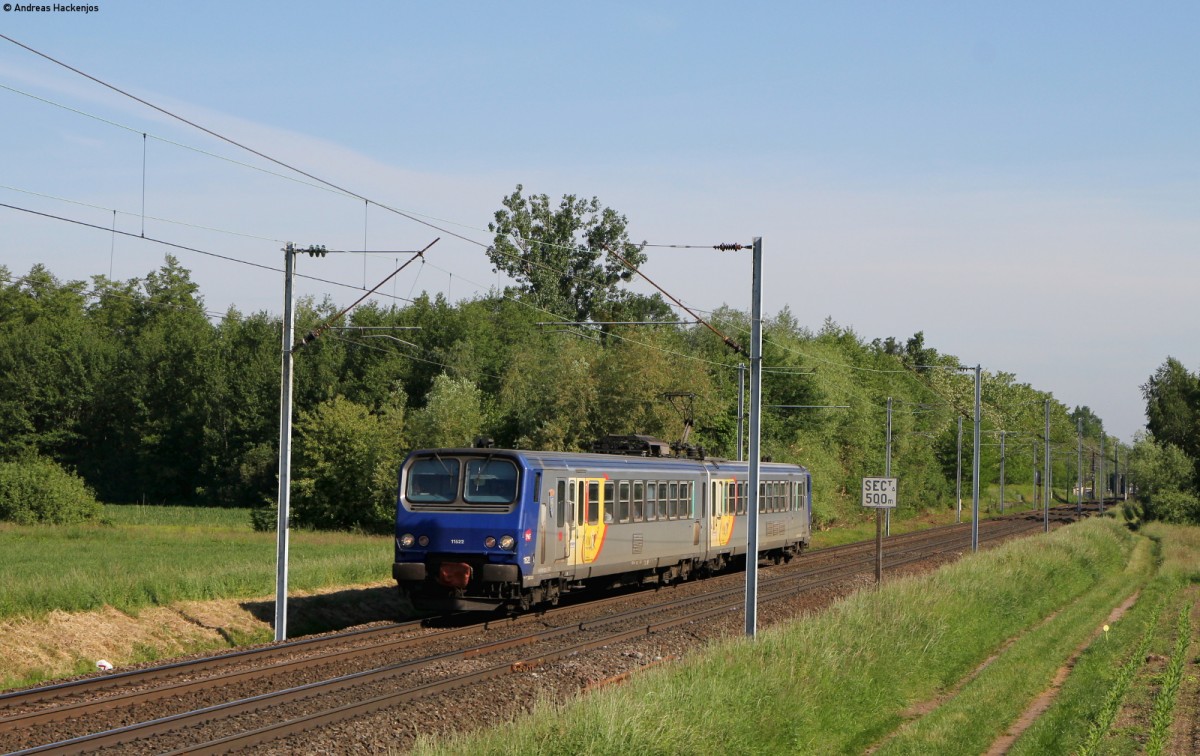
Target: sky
x,y
1019,181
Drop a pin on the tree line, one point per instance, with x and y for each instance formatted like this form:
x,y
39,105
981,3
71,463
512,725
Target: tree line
x,y
136,388
1166,459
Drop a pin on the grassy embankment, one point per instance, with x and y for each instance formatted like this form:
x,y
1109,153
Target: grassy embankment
x,y
902,670
146,556
140,558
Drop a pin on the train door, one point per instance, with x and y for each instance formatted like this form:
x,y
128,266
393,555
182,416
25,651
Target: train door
x,y
589,520
721,514
560,494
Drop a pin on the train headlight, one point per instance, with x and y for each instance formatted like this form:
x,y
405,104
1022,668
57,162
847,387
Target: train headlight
x,y
423,541
407,541
508,543
490,542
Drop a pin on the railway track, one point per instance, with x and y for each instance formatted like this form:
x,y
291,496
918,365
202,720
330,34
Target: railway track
x,y
247,698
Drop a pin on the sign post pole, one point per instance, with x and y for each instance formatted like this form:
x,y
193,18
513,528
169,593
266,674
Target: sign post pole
x,y
879,547
879,494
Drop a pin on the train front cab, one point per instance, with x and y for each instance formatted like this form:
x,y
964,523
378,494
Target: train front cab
x,y
464,535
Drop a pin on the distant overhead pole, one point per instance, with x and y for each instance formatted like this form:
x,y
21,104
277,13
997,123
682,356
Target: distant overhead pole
x,y
1079,474
958,475
887,468
975,462
1046,484
1100,473
741,441
1002,434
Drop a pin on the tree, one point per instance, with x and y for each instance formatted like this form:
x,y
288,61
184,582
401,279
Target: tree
x,y
346,465
452,415
563,260
50,358
1093,426
1164,477
1173,407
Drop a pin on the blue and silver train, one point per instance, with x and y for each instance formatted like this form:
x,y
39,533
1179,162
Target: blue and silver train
x,y
484,528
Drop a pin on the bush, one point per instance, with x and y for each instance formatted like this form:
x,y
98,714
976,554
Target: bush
x,y
345,467
1180,507
38,490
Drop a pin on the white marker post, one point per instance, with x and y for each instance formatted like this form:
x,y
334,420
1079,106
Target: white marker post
x,y
879,494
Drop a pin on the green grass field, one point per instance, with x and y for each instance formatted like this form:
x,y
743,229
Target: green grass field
x,y
142,556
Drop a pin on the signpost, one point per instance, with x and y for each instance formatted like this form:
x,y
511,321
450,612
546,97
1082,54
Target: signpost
x,y
879,494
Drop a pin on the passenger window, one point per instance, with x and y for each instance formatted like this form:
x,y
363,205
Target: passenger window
x,y
610,501
662,501
593,503
685,500
651,501
623,501
639,499
561,517
673,502
537,488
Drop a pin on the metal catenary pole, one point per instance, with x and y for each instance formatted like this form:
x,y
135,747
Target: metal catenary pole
x,y
1099,485
975,464
958,475
1002,434
887,468
285,448
755,451
1046,486
1079,474
741,411
1116,469
1034,475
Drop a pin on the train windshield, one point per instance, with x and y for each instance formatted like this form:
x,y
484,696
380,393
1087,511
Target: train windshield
x,y
490,481
433,480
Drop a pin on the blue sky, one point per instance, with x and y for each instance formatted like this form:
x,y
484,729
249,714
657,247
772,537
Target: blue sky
x,y
1017,180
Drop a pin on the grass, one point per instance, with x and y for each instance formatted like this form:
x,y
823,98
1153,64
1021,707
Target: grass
x,y
841,681
999,694
141,556
1168,692
1109,673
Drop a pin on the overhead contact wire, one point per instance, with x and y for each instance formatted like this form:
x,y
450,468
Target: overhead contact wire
x,y
728,341
234,142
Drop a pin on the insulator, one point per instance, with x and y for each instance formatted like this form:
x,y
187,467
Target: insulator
x,y
729,247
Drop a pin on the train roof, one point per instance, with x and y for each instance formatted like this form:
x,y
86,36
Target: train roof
x,y
592,461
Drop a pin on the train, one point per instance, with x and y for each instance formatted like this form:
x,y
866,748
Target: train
x,y
485,529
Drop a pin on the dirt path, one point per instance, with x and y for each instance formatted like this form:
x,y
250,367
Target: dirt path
x,y
1042,702
923,708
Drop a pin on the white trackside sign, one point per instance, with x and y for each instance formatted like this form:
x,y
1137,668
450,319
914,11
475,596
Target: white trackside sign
x,y
879,493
